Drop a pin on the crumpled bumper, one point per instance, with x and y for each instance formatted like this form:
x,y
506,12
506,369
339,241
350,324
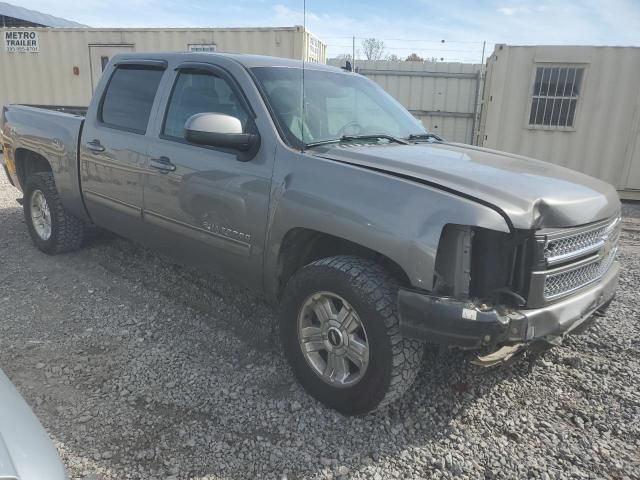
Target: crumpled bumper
x,y
453,322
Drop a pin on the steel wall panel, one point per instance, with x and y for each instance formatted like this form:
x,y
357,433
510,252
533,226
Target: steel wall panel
x,y
442,95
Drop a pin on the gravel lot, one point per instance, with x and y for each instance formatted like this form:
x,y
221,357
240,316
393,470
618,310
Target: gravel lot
x,y
140,369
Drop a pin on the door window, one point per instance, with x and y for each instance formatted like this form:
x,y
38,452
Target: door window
x,y
200,92
127,102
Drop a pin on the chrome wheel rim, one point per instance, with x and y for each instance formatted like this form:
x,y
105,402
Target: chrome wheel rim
x,y
40,215
333,339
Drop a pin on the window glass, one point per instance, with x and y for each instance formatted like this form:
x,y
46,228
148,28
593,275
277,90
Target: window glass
x,y
336,104
198,92
129,97
555,96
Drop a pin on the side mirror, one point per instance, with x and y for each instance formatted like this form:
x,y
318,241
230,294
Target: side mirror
x,y
220,130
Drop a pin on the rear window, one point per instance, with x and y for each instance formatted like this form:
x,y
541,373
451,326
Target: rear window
x,y
129,97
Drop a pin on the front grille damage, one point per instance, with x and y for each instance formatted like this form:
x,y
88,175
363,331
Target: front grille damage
x,y
572,258
523,268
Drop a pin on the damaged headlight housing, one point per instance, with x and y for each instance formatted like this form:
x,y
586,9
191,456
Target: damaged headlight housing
x,y
485,265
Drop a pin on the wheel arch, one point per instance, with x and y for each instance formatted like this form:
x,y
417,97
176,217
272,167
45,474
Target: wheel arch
x,y
301,246
28,162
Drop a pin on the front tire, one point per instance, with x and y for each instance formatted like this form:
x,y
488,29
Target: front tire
x,y
340,333
52,229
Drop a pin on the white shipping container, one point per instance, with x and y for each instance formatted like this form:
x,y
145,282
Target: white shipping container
x,y
576,106
62,66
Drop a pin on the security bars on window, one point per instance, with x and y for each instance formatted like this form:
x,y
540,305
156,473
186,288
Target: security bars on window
x,y
555,96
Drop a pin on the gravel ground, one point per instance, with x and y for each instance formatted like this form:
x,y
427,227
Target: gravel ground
x,y
139,368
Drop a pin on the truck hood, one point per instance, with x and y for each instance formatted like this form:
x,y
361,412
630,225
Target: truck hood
x,y
532,193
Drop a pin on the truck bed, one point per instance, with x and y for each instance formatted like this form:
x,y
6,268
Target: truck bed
x,y
52,132
78,111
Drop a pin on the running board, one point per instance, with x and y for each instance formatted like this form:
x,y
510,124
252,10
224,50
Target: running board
x,y
20,200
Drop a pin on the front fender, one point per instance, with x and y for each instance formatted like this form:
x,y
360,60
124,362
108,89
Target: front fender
x,y
396,217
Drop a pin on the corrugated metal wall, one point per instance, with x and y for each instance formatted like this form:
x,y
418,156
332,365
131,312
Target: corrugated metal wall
x,y
47,77
605,139
442,95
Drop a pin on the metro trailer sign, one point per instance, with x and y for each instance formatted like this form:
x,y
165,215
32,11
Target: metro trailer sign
x,y
21,41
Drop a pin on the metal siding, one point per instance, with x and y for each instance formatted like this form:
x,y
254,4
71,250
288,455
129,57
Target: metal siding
x,y
604,140
442,95
47,77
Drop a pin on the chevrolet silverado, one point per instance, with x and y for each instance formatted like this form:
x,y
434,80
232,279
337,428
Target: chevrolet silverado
x,y
313,186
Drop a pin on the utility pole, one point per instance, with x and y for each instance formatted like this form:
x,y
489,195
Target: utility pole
x,y
353,52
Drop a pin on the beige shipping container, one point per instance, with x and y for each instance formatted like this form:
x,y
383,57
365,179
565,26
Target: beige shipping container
x,y
62,66
576,106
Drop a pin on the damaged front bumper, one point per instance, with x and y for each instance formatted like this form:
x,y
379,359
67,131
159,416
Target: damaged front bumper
x,y
463,324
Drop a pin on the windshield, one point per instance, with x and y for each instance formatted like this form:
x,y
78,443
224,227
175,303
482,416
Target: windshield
x,y
336,105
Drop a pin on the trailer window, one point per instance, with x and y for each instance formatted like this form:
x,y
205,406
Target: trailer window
x,y
554,99
126,104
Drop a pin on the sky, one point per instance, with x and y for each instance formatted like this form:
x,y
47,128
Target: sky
x,y
405,26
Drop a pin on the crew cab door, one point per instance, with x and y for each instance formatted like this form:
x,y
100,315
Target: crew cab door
x,y
201,204
114,143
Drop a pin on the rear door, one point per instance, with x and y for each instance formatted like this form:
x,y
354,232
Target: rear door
x,y
99,56
208,209
114,143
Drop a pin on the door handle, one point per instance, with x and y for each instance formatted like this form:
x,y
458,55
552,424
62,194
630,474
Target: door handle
x,y
163,164
95,145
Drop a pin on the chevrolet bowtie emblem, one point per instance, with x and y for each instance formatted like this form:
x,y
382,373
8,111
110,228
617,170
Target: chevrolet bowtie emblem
x,y
608,246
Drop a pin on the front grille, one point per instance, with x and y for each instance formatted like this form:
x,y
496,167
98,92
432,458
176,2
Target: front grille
x,y
569,246
569,259
563,283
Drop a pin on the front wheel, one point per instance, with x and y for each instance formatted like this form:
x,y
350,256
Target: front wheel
x,y
339,329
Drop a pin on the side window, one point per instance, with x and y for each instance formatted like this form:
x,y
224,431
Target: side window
x,y
129,97
200,92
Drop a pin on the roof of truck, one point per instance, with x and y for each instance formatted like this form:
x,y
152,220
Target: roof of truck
x,y
247,60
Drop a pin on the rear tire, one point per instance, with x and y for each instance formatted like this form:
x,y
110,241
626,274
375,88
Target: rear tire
x,y
362,287
52,229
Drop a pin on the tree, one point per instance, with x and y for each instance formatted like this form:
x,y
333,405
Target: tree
x,y
393,58
372,48
414,58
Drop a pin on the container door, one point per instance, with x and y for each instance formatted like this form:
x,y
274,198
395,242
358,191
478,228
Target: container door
x,y
99,56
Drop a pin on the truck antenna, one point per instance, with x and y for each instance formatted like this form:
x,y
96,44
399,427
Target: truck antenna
x,y
305,49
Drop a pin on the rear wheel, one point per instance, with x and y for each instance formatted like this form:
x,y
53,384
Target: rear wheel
x,y
339,329
52,228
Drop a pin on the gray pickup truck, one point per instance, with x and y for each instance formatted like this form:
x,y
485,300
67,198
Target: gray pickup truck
x,y
318,189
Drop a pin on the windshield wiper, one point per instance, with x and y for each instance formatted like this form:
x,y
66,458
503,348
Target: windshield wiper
x,y
424,136
348,138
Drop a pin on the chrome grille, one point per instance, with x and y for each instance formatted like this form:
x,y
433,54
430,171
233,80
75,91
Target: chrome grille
x,y
562,283
569,246
572,258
